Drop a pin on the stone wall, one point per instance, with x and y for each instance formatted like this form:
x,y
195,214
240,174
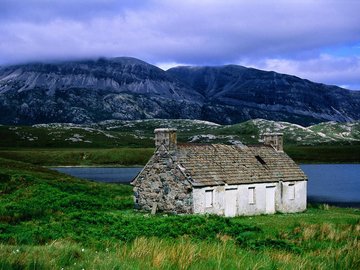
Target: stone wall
x,y
163,183
166,137
275,140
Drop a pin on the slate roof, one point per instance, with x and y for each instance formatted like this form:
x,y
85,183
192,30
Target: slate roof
x,y
218,164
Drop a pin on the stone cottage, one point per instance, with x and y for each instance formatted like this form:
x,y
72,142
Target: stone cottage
x,y
220,179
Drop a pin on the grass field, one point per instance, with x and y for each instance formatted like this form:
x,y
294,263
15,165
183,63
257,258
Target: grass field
x,y
324,153
49,220
80,157
139,156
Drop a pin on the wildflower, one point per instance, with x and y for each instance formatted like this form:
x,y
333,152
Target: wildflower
x,y
82,250
17,251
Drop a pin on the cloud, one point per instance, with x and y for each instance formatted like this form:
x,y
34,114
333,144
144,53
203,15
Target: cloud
x,y
188,31
47,10
168,65
342,71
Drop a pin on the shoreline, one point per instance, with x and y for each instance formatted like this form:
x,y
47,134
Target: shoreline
x,y
141,166
94,166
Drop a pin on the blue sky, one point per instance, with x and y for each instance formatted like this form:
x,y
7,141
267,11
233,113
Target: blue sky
x,y
314,39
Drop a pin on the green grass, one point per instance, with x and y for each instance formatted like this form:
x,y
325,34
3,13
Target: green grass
x,y
67,137
81,157
128,143
182,253
139,156
324,153
51,221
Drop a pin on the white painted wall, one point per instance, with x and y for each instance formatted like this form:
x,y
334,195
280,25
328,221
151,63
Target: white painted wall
x,y
234,200
289,204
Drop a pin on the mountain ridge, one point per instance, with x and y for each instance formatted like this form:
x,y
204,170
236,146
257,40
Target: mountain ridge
x,y
249,88
127,88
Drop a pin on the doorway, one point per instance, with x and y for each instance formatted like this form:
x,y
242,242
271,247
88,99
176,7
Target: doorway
x,y
270,200
230,202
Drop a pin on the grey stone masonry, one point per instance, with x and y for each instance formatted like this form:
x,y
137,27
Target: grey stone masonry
x,y
165,137
163,182
274,139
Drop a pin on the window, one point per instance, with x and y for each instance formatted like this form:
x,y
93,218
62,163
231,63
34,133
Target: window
x,y
291,191
251,195
209,198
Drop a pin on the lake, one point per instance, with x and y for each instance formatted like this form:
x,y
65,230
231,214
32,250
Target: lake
x,y
337,184
102,174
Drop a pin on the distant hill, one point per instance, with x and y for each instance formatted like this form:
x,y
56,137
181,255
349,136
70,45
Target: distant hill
x,y
127,89
140,133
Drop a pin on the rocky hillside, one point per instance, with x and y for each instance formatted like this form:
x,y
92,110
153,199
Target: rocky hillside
x,y
90,91
235,93
140,133
127,89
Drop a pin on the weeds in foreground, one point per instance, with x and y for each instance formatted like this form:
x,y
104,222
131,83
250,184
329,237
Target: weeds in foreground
x,y
182,253
327,232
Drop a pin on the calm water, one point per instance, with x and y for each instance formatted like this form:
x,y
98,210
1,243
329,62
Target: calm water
x,y
334,183
108,175
328,183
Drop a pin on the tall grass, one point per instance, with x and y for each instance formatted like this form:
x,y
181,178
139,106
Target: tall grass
x,y
182,253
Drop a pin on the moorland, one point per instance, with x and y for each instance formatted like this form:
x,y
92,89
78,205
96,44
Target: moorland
x,y
50,220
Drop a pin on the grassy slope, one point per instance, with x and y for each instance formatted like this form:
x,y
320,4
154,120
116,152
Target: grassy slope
x,y
118,143
67,137
49,220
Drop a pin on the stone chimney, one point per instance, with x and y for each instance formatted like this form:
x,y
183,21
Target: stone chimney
x,y
166,137
273,139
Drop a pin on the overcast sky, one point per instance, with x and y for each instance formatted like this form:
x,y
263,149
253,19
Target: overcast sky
x,y
318,40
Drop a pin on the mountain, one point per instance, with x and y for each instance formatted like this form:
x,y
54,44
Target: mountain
x,y
235,93
127,88
90,91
